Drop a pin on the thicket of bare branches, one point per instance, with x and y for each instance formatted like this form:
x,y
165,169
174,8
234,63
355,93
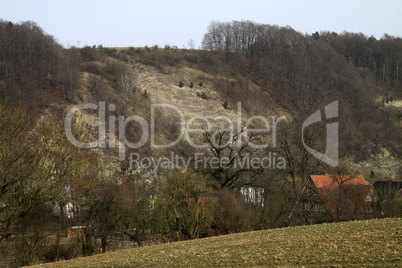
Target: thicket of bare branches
x,y
34,68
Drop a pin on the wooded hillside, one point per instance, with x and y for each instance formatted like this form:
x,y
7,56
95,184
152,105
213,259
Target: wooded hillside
x,y
243,70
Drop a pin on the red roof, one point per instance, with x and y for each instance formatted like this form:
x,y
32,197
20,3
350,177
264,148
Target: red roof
x,y
355,189
322,181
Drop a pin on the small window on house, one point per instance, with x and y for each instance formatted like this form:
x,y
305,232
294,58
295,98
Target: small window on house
x,y
317,207
307,206
309,191
322,207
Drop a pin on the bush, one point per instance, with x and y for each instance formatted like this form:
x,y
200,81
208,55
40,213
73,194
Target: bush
x,y
230,213
200,84
191,59
114,67
191,85
59,252
181,84
111,52
183,208
171,57
225,105
91,67
145,94
88,53
204,96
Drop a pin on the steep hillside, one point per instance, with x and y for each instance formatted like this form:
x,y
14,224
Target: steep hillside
x,y
272,71
361,139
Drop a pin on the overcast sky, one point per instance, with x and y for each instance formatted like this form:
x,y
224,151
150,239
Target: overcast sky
x,y
124,23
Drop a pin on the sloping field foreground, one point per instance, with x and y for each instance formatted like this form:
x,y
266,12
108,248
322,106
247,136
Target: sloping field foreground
x,y
357,243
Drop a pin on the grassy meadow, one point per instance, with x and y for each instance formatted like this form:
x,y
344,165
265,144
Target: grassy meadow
x,y
369,243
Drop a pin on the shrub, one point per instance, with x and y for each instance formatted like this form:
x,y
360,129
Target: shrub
x,y
191,59
111,52
204,96
200,84
171,57
90,54
230,213
114,67
183,207
145,94
181,84
191,85
91,67
59,252
225,105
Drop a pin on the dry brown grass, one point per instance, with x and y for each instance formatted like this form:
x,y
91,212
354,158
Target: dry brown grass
x,y
369,243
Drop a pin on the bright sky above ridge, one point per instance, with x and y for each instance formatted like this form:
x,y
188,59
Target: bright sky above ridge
x,y
124,23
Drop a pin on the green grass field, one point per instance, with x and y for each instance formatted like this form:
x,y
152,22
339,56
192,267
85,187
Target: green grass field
x,y
369,243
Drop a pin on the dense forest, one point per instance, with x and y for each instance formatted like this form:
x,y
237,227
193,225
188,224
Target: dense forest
x,y
47,185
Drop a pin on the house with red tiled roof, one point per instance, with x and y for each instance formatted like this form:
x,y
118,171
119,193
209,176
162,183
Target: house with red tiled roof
x,y
336,197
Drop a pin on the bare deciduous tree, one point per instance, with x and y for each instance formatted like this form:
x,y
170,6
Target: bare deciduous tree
x,y
232,158
95,83
36,160
126,82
